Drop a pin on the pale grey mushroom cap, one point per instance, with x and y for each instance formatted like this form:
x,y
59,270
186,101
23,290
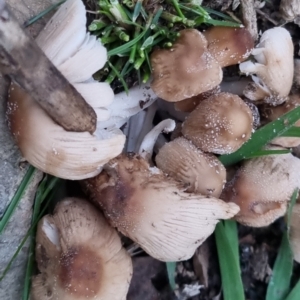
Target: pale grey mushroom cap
x,y
152,209
79,256
274,68
262,188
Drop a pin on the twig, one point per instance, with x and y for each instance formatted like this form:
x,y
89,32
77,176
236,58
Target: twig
x,y
266,17
249,17
25,63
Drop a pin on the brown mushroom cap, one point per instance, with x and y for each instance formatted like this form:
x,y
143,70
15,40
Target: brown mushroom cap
x,y
229,45
203,173
219,124
262,187
272,113
185,70
152,209
79,256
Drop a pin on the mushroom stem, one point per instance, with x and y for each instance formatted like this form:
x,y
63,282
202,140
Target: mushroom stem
x,y
146,148
126,105
25,63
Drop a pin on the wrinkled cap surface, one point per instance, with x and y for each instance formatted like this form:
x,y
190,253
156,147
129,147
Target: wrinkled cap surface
x,y
202,173
185,70
152,209
79,256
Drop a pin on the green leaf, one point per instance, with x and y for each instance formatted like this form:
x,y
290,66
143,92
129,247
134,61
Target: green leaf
x,y
268,152
295,292
292,132
262,136
279,284
227,247
16,198
171,267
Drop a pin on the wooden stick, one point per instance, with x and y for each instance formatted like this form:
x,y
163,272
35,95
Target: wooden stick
x,y
25,63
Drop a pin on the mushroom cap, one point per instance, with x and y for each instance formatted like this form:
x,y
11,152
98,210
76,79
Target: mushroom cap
x,y
152,209
229,45
79,256
294,232
185,70
262,187
189,104
272,113
202,173
219,124
50,148
274,67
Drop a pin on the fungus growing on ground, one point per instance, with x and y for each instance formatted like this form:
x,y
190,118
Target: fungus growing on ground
x,y
79,256
229,45
202,173
262,188
153,210
219,124
274,67
185,70
272,113
45,144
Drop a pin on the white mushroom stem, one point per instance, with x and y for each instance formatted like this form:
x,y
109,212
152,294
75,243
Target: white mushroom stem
x,y
125,105
146,148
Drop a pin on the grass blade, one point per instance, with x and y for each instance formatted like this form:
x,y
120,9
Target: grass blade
x,y
227,246
262,136
279,284
295,293
268,152
16,198
42,14
292,132
171,267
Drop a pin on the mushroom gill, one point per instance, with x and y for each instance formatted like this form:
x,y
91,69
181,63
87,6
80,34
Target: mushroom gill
x,y
152,209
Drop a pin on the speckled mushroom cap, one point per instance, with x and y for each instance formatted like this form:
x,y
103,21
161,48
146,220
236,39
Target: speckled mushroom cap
x,y
202,173
262,187
219,124
272,113
152,209
79,256
229,45
185,70
295,232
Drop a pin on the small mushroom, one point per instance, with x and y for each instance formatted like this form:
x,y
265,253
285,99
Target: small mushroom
x,y
272,113
79,256
274,67
294,232
262,187
229,45
185,70
152,209
46,145
219,124
202,173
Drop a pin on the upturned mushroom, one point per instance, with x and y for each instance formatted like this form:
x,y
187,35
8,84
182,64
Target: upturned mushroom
x,y
153,209
219,124
46,145
79,256
272,113
202,173
274,68
185,70
229,45
262,188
